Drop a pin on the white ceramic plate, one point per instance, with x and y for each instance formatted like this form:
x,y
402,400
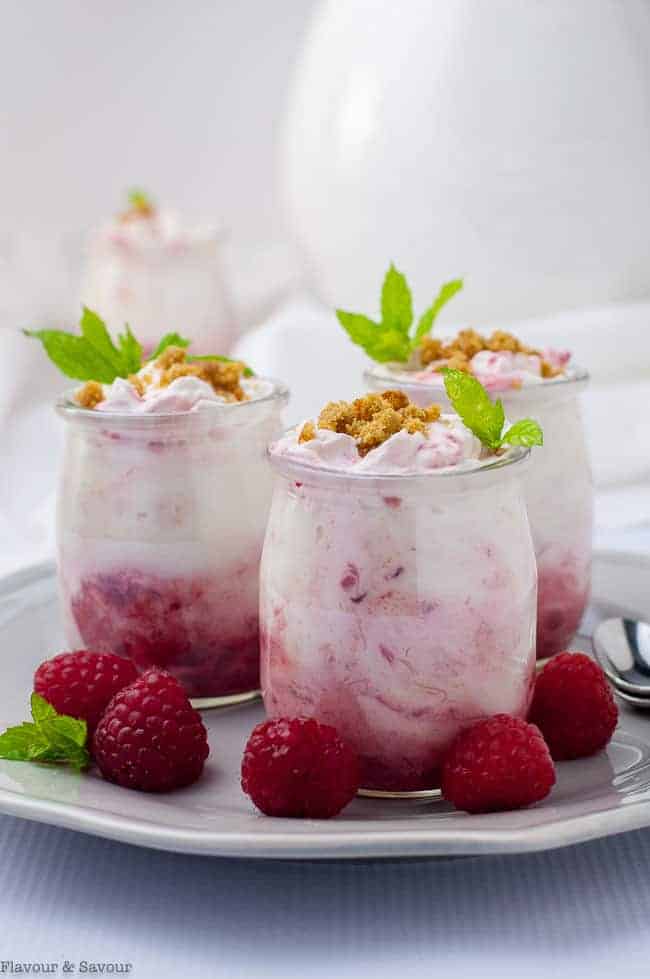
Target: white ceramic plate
x,y
599,796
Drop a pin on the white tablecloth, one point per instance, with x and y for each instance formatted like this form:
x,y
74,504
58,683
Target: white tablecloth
x,y
582,911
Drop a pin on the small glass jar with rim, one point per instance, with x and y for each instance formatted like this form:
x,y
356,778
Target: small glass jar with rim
x,y
558,489
398,608
160,525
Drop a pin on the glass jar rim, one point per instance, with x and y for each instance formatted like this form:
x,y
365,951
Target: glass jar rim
x,y
206,410
573,381
293,467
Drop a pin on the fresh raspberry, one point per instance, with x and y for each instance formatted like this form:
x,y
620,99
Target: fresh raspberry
x,y
150,737
299,767
499,763
573,706
81,684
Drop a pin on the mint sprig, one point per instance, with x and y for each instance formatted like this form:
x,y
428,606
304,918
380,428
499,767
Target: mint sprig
x,y
48,737
484,417
140,201
93,356
392,339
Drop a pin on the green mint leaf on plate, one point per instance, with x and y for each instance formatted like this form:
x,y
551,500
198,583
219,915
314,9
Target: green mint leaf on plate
x,y
16,742
169,340
396,302
392,339
50,737
525,432
428,318
470,400
247,372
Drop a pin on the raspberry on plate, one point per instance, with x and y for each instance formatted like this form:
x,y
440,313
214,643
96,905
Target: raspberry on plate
x,y
499,763
82,683
150,737
299,767
573,706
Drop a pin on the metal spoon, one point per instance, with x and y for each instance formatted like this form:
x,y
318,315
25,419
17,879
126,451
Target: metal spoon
x,y
622,647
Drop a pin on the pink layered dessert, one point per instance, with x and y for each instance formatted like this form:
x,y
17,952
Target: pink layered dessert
x,y
398,583
559,495
155,268
162,510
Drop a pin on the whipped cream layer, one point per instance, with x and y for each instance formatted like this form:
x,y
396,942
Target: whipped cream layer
x,y
446,444
501,370
183,394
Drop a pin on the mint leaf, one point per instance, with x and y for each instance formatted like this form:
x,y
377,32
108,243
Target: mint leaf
x,y
524,432
470,400
93,330
169,340
41,709
51,737
392,338
380,343
93,356
74,356
426,321
139,200
16,742
130,351
486,418
396,302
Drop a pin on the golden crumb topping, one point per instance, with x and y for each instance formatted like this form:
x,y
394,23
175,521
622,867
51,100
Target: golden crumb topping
x,y
372,419
224,376
90,395
457,353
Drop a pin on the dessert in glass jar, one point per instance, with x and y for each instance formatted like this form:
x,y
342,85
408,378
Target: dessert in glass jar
x,y
146,266
398,583
557,485
542,382
162,507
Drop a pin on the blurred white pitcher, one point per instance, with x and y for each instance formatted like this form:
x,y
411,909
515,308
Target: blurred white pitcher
x,y
507,142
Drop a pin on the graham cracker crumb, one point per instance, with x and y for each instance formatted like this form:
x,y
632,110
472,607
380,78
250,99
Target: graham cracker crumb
x,y
548,370
307,432
430,350
468,343
138,383
457,353
372,419
223,376
169,356
90,395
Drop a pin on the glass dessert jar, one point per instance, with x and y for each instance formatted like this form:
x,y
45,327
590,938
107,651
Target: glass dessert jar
x,y
398,608
161,520
558,491
150,268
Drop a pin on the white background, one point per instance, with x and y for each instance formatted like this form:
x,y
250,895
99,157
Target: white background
x,y
182,97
